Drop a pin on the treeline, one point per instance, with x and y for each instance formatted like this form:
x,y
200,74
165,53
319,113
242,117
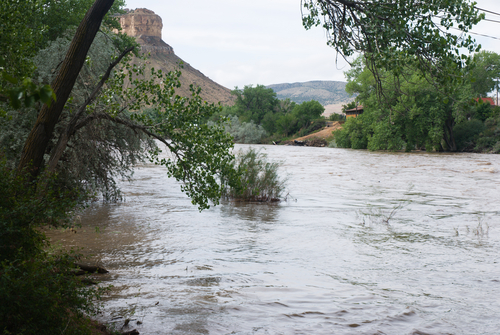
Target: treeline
x,y
258,116
409,111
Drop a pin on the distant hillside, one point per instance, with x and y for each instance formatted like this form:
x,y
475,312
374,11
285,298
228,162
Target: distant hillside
x,y
325,92
146,27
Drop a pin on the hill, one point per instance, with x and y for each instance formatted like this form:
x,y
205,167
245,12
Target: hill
x,y
325,92
146,27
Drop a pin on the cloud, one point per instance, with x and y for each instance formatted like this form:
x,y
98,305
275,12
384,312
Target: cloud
x,y
261,41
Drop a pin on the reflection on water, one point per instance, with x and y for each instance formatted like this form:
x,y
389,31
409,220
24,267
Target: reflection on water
x,y
375,243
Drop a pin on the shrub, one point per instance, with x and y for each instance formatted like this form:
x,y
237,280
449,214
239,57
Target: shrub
x,y
41,295
259,178
336,117
38,292
352,135
466,134
243,132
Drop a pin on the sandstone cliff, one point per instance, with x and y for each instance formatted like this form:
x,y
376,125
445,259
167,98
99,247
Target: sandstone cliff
x,y
146,27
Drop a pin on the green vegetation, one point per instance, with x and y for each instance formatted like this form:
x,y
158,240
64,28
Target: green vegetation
x,y
416,77
416,115
396,35
39,292
258,108
260,179
63,147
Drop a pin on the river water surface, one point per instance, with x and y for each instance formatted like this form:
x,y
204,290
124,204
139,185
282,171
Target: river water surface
x,y
369,243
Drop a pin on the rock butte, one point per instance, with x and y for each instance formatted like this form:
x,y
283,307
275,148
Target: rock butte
x,y
146,26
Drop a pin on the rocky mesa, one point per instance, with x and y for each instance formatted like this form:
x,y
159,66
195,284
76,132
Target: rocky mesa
x,y
146,27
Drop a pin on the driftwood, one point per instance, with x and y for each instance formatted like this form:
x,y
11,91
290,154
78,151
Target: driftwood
x,y
84,269
131,332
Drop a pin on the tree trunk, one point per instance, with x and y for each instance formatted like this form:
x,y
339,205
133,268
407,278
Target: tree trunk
x,y
449,137
71,127
39,137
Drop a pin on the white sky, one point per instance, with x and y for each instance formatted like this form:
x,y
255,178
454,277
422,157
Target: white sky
x,y
241,42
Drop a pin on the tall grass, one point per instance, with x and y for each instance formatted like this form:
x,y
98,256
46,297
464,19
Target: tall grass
x,y
260,180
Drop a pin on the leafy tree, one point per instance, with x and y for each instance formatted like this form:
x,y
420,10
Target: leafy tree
x,y
253,103
307,111
414,115
286,124
485,69
110,115
28,26
392,34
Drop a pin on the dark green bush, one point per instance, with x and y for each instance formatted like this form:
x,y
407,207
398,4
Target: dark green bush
x,y
336,117
352,135
38,292
466,134
41,295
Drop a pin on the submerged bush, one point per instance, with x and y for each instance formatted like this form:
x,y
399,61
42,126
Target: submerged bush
x,y
259,178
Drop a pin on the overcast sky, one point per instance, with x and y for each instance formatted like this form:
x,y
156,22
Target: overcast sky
x,y
241,42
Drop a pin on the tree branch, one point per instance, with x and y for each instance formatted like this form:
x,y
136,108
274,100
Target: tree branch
x,y
71,127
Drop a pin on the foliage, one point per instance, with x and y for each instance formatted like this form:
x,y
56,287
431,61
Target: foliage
x,y
352,134
467,133
29,26
485,68
489,141
253,103
279,118
391,34
306,112
413,116
23,211
336,117
106,136
259,178
242,132
39,293
484,110
98,152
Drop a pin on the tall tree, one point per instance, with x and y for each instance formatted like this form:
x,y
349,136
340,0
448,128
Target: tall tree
x,y
38,139
253,103
391,34
485,71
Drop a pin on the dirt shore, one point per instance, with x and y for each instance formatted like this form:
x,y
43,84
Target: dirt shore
x,y
324,133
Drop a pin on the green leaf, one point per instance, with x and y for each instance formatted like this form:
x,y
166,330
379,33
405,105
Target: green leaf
x,y
47,94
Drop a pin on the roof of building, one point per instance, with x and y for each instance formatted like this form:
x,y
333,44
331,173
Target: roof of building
x,y
490,100
357,109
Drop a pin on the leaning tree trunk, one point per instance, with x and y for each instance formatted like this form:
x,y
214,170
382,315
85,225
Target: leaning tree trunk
x,y
449,137
41,133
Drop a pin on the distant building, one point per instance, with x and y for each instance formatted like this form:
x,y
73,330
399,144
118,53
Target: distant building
x,y
354,112
488,100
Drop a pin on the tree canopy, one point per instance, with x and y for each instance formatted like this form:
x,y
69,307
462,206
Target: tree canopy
x,y
414,115
427,35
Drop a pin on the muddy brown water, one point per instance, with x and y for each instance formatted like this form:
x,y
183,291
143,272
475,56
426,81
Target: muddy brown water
x,y
371,243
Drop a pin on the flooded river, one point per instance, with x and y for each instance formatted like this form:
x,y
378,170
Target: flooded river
x,y
369,243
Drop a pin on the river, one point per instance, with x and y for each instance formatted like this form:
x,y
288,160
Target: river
x,y
368,243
